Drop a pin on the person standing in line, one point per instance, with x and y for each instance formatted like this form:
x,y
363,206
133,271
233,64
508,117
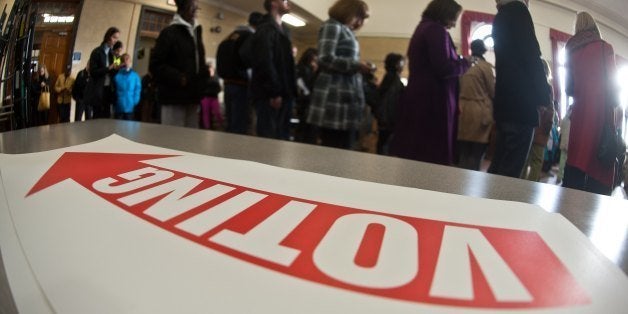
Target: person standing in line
x,y
102,70
520,87
338,99
117,54
388,94
590,73
541,135
211,117
427,124
565,128
78,93
128,90
234,72
477,90
63,88
178,66
273,85
307,70
41,80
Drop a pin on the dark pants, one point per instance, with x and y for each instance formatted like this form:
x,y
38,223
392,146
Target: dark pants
x,y
102,110
237,108
81,108
579,180
271,122
42,117
471,154
64,112
124,115
512,149
336,138
382,141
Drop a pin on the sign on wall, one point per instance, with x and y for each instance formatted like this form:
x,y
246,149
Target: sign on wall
x,y
124,227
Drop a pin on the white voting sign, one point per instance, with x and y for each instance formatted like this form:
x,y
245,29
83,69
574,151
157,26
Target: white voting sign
x,y
115,226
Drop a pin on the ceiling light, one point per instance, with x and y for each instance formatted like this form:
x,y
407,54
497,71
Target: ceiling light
x,y
293,20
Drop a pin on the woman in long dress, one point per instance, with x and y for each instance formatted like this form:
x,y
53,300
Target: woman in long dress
x,y
426,127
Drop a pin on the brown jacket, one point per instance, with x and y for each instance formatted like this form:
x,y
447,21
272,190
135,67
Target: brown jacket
x,y
63,87
477,90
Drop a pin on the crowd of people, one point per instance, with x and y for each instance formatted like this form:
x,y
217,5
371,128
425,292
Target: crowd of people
x,y
448,113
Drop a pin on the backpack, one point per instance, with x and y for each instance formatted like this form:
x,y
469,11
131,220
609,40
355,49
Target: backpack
x,y
229,64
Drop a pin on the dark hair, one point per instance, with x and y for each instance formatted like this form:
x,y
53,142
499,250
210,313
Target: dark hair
x,y
391,63
308,55
181,3
112,30
478,48
442,11
345,10
117,45
268,5
256,18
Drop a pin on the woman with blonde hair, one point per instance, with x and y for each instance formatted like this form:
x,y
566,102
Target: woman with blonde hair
x,y
41,81
590,74
338,97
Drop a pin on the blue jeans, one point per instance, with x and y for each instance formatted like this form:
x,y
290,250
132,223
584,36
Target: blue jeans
x,y
512,149
237,108
271,122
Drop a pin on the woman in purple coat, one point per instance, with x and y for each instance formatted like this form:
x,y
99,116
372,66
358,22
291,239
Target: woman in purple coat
x,y
426,127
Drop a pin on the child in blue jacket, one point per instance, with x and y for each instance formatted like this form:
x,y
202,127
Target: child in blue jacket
x,y
128,90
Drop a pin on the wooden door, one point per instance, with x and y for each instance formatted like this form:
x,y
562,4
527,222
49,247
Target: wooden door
x,y
54,54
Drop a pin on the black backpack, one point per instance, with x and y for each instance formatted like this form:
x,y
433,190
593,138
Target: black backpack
x,y
229,64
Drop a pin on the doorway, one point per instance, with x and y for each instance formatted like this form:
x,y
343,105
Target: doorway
x,y
55,30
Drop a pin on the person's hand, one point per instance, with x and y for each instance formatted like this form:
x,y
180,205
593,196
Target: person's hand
x,y
43,84
276,102
364,68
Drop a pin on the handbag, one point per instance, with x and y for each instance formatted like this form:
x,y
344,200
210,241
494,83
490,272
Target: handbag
x,y
44,99
611,145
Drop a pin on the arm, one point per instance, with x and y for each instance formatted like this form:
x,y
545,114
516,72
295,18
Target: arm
x,y
159,61
440,53
530,52
137,89
98,65
264,44
327,45
59,83
70,85
489,81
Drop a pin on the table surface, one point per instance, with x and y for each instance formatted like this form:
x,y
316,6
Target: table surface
x,y
588,212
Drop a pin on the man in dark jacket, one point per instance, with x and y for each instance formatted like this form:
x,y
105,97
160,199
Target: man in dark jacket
x,y
78,93
520,87
99,91
273,86
235,75
178,66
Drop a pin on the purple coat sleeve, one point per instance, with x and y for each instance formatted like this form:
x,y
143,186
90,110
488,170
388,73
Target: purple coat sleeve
x,y
442,53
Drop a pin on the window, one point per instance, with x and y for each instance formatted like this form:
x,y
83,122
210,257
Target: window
x,y
561,69
484,32
471,23
153,22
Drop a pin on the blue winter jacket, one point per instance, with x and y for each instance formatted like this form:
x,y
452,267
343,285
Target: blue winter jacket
x,y
128,90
